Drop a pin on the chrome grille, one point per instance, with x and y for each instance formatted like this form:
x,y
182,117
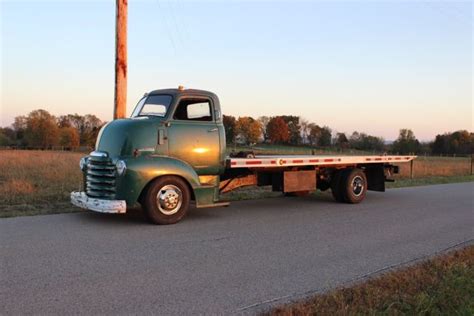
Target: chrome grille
x,y
100,177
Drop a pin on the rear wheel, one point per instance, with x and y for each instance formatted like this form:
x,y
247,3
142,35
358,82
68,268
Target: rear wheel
x,y
167,200
354,186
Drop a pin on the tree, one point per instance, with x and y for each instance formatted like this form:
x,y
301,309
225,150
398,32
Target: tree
x,y
362,141
19,126
294,127
92,126
264,120
406,142
88,126
277,130
462,142
440,144
5,140
325,137
373,143
249,129
341,141
69,137
229,126
320,136
314,133
459,142
304,123
8,136
41,129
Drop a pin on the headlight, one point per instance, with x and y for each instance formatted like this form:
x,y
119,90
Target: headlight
x,y
121,167
83,163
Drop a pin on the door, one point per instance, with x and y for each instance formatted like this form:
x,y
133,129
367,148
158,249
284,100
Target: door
x,y
193,135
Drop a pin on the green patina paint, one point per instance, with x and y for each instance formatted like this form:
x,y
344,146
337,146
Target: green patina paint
x,y
187,149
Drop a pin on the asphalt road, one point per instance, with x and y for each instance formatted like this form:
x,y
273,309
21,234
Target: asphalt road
x,y
239,259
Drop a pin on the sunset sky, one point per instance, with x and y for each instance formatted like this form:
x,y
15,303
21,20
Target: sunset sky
x,y
368,66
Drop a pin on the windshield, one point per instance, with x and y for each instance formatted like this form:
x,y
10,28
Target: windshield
x,y
153,105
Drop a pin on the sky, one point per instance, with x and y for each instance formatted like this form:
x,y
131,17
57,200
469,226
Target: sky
x,y
369,66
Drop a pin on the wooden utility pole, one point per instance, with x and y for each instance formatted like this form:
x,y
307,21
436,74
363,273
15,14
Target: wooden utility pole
x,y
120,99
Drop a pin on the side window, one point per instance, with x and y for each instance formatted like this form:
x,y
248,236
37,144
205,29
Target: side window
x,y
194,110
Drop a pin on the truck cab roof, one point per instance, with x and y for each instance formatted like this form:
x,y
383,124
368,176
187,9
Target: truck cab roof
x,y
182,91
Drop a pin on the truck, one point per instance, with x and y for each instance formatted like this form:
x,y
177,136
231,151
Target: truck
x,y
171,152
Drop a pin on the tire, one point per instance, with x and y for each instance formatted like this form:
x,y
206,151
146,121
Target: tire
x,y
336,191
167,200
353,185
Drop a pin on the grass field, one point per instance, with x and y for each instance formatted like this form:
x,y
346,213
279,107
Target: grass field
x,y
39,182
437,167
441,286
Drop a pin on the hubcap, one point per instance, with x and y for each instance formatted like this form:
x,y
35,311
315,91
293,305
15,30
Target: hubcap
x,y
357,185
169,199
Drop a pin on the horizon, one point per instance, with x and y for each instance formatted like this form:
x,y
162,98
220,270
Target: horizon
x,y
348,134
331,63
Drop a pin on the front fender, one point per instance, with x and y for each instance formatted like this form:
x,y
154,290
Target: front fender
x,y
142,170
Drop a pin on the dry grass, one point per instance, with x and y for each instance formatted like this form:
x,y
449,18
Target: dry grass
x,y
31,181
436,167
440,286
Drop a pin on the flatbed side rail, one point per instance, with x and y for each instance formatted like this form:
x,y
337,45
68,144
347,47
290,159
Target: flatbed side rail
x,y
291,161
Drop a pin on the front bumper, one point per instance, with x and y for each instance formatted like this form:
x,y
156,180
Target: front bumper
x,y
81,200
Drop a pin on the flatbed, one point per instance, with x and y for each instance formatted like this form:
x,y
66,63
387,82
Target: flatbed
x,y
264,161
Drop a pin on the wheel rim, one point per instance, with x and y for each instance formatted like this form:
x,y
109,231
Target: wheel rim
x,y
357,185
169,199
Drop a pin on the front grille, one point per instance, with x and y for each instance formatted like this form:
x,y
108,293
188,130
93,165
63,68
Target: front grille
x,y
100,177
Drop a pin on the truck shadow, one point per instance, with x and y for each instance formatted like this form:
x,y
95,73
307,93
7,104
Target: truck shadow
x,y
276,205
133,216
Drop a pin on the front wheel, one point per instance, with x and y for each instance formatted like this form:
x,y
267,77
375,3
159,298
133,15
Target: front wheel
x,y
167,200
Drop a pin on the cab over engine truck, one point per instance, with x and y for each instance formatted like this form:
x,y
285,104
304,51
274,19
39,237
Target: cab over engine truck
x,y
173,151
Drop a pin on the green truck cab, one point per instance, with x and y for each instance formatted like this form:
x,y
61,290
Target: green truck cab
x,y
170,151
173,151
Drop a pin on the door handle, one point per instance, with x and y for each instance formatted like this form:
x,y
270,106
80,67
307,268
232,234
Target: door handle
x,y
212,130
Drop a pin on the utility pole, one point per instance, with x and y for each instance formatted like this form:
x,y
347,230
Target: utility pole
x,y
120,97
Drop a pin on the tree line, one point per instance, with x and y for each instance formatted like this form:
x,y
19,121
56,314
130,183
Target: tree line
x,y
40,129
293,130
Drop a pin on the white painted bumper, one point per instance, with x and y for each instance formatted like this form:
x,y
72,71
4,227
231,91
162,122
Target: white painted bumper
x,y
81,200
